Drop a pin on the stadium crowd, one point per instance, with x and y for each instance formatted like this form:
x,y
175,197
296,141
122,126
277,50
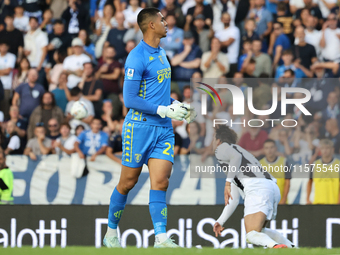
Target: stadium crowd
x,y
55,52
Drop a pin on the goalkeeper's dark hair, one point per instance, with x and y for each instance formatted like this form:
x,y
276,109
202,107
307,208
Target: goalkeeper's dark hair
x,y
225,134
144,17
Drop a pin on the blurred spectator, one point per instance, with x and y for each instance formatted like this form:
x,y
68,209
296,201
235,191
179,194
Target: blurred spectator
x,y
250,33
320,87
115,143
58,6
287,58
58,41
201,34
264,20
79,129
21,22
275,164
130,45
262,93
13,37
174,38
333,134
199,9
47,22
89,48
186,61
21,74
39,144
106,117
29,94
20,123
253,141
246,53
76,95
263,61
6,179
279,43
313,36
171,9
43,113
326,181
36,42
116,36
7,8
74,64
7,63
61,92
214,63
53,74
283,16
130,14
310,8
230,39
304,53
107,21
108,73
330,39
92,88
326,6
332,111
11,143
64,145
248,70
54,130
32,8
76,17
92,142
196,145
283,144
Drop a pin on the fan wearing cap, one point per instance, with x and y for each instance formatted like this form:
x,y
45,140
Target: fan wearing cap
x,y
73,64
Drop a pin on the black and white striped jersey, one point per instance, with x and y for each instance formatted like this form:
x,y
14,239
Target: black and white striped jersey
x,y
242,167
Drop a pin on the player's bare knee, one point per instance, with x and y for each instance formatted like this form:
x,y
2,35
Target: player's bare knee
x,y
163,184
126,186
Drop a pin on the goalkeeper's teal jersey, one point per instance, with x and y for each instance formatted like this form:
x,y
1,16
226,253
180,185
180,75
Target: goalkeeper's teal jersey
x,y
151,71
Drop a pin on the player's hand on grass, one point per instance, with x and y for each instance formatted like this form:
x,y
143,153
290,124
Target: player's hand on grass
x,y
227,193
218,229
173,111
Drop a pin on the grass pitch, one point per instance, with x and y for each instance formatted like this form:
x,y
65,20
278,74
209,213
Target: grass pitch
x,y
150,251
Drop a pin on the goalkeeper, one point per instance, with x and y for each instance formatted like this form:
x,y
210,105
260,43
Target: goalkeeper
x,y
147,131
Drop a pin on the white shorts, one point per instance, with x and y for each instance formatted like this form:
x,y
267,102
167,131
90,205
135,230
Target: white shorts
x,y
263,196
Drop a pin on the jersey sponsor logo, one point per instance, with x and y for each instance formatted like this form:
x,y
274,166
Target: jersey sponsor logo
x,y
164,74
151,58
138,157
130,73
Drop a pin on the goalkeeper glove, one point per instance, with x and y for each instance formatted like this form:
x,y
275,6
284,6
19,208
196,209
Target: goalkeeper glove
x,y
191,115
173,111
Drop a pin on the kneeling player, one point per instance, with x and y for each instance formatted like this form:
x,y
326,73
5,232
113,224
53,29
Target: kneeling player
x,y
247,178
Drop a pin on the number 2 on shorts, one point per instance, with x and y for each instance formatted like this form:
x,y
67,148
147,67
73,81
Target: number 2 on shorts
x,y
168,148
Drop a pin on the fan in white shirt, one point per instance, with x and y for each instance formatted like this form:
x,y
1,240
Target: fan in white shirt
x,y
330,39
64,145
131,14
73,64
